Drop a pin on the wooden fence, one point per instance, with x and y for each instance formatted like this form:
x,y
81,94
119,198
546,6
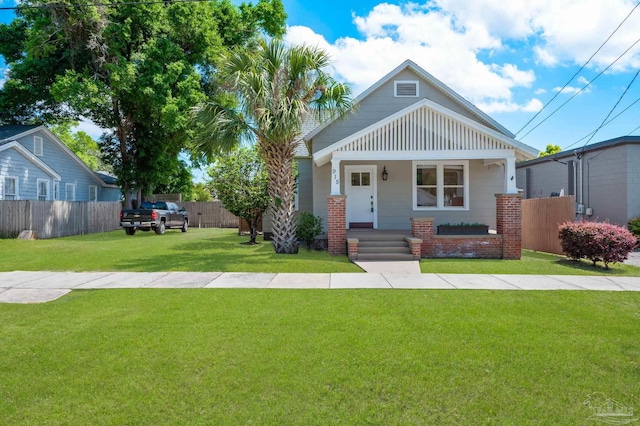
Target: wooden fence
x,y
540,220
209,214
51,219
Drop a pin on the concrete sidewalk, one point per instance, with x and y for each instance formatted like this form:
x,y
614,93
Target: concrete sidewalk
x,y
38,287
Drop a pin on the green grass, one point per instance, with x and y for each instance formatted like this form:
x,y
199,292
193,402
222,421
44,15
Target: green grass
x,y
198,250
221,250
532,263
228,357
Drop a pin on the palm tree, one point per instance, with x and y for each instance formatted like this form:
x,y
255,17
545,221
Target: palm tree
x,y
267,91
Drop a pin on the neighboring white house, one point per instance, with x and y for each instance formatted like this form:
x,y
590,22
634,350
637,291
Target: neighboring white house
x,y
36,165
414,155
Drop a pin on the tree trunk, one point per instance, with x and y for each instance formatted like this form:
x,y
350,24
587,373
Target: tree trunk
x,y
279,162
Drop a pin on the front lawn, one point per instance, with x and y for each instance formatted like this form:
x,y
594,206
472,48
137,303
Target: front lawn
x,y
198,250
229,357
222,250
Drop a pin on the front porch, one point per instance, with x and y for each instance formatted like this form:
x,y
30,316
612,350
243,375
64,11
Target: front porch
x,y
422,241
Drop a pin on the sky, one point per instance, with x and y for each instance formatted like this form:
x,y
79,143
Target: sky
x,y
509,58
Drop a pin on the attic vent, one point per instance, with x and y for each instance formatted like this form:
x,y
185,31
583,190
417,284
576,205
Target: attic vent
x,y
406,89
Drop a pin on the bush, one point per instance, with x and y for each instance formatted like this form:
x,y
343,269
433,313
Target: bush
x,y
596,241
634,226
309,227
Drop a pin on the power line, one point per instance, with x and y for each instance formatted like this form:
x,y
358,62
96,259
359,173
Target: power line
x,y
616,116
577,72
585,86
127,3
612,109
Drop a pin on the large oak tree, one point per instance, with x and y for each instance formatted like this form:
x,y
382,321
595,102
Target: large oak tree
x,y
133,69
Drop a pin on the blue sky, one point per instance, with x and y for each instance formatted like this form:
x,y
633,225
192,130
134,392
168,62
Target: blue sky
x,y
507,57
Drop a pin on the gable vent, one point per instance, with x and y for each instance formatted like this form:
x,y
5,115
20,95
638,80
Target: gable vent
x,y
406,89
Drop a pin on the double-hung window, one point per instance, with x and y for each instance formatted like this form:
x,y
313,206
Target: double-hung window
x,y
10,188
93,193
37,146
440,185
70,192
43,189
56,190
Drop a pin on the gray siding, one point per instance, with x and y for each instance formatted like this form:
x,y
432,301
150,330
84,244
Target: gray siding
x,y
633,181
395,197
610,179
380,104
70,171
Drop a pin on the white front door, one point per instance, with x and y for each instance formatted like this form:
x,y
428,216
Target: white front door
x,y
362,202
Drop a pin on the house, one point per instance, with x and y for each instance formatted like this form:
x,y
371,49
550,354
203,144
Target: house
x,y
36,165
604,177
414,155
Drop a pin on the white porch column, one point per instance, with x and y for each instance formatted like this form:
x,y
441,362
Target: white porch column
x,y
335,176
510,175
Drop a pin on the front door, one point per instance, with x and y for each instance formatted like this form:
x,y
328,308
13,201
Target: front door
x,y
362,203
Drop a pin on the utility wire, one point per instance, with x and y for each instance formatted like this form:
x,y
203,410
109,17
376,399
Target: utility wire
x,y
605,124
577,72
584,87
629,134
126,3
612,109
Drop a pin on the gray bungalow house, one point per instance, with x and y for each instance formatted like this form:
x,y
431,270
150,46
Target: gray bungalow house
x,y
36,165
414,155
604,177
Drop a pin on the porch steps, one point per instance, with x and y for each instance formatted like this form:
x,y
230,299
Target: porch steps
x,y
382,245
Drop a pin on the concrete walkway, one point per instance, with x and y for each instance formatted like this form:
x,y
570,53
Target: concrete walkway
x,y
38,287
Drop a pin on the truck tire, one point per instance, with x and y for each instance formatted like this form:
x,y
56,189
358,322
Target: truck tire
x,y
160,228
185,226
130,231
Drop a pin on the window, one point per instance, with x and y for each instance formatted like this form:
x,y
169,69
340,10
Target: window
x,y
10,188
43,189
93,193
71,192
360,179
56,190
37,146
440,185
405,89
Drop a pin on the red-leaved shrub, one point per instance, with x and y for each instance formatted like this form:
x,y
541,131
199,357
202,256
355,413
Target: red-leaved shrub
x,y
596,241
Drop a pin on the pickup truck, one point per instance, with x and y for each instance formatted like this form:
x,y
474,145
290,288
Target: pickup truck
x,y
158,216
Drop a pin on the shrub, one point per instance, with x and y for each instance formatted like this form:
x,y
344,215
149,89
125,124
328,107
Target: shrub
x,y
596,241
634,226
309,227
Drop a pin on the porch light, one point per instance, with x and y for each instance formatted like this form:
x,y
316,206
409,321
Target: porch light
x,y
385,174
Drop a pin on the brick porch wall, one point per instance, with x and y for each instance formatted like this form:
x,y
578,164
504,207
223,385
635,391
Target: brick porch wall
x,y
474,247
337,224
509,224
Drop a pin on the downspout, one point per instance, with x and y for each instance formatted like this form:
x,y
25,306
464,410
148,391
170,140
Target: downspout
x,y
580,185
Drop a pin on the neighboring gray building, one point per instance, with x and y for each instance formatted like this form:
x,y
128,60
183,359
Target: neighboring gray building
x,y
604,177
36,165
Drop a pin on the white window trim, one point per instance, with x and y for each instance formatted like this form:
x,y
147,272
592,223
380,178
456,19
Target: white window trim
x,y
38,146
440,171
16,195
73,191
56,190
93,188
46,196
395,88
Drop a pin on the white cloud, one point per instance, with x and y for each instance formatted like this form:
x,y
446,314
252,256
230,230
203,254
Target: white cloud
x,y
534,105
391,34
572,90
540,91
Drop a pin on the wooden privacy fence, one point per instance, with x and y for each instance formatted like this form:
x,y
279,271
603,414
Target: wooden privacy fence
x,y
209,214
540,220
51,219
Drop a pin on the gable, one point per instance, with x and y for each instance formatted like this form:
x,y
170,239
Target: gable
x,y
425,127
383,99
26,154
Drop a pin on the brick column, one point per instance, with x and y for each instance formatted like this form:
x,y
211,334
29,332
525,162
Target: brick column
x,y
509,224
337,224
422,228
